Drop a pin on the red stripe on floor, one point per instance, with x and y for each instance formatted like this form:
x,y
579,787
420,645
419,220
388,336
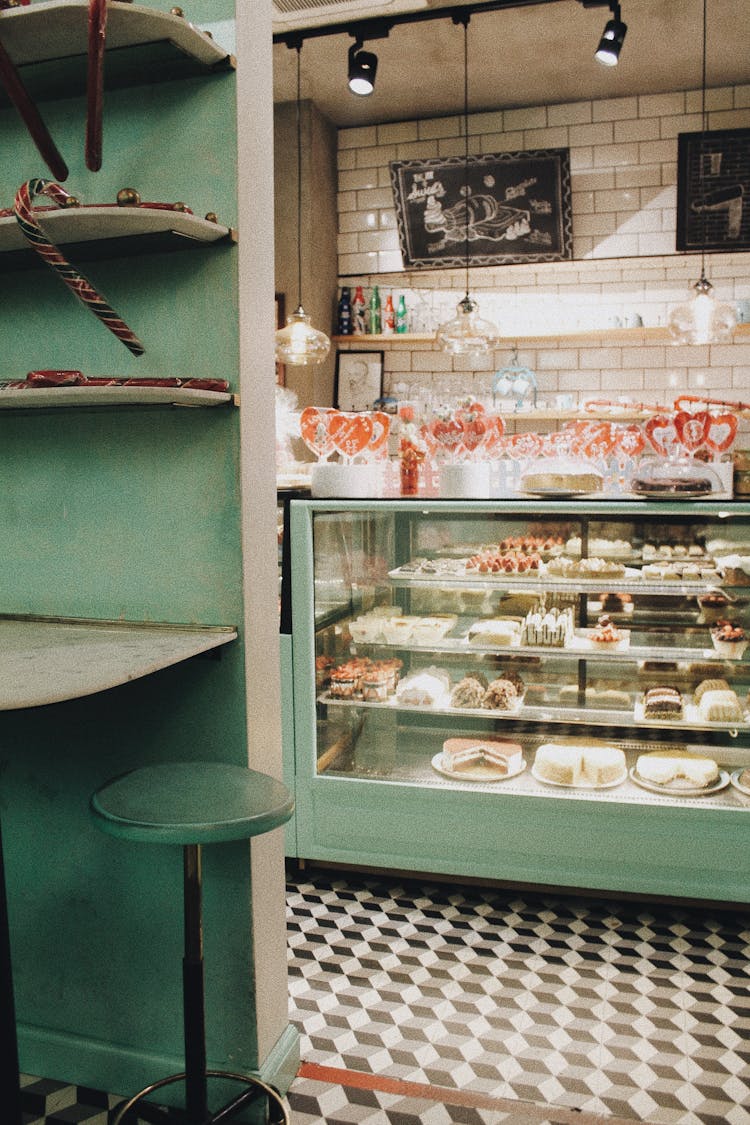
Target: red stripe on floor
x,y
339,1077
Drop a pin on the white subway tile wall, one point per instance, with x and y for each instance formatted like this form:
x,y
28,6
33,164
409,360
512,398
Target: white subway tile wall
x,y
625,271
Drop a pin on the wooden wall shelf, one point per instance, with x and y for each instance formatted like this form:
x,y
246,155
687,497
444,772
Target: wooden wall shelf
x,y
655,335
47,41
56,398
48,660
93,233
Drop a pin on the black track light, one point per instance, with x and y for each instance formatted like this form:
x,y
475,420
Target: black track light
x,y
363,66
613,37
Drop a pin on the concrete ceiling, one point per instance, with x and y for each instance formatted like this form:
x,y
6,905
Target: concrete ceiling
x,y
522,56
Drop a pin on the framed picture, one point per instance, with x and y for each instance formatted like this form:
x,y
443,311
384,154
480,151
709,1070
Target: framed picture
x,y
713,190
513,206
359,380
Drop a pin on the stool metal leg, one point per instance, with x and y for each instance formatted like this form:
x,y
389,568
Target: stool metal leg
x,y
195,1076
10,1082
193,989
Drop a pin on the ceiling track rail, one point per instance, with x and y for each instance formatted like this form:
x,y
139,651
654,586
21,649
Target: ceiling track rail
x,y
378,27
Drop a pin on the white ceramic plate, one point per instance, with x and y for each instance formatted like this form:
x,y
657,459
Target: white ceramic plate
x,y
473,773
735,780
674,790
582,785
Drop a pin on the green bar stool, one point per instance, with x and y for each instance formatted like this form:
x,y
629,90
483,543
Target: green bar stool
x,y
192,804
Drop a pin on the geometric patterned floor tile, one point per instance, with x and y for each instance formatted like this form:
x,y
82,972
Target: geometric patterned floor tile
x,y
426,1004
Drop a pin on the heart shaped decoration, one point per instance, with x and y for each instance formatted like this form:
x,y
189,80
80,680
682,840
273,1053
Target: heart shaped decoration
x,y
630,440
448,433
600,440
351,433
661,434
691,428
381,428
721,432
313,425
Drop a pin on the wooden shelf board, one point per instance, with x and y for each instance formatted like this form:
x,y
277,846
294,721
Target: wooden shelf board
x,y
54,398
92,233
611,335
47,660
48,43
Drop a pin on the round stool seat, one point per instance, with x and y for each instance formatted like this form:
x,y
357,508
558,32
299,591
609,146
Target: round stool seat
x,y
191,803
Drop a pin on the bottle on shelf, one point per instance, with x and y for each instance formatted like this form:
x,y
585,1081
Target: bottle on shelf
x,y
344,318
358,312
389,316
402,323
374,323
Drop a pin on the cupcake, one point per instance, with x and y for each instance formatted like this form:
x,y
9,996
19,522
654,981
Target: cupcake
x,y
730,641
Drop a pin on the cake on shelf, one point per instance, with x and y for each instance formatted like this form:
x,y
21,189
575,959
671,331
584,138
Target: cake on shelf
x,y
503,756
552,627
428,688
663,703
720,706
730,641
495,631
469,692
679,768
579,763
501,695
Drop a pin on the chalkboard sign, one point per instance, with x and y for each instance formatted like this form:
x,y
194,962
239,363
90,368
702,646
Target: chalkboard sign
x,y
503,207
713,190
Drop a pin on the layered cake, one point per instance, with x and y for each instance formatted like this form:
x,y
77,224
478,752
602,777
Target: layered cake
x,y
662,703
553,627
501,695
579,763
503,756
585,568
709,685
661,767
720,707
429,629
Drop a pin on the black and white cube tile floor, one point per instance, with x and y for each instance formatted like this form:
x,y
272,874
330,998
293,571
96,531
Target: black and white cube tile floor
x,y
425,1004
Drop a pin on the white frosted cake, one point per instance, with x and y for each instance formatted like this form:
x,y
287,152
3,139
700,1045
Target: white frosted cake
x,y
662,767
579,763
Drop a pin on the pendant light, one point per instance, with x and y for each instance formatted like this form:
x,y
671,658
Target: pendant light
x,y
702,319
467,333
298,343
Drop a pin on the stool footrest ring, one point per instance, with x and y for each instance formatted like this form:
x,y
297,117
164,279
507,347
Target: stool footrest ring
x,y
278,1113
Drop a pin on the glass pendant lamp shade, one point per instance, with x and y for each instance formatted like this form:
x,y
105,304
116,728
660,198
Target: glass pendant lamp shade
x,y
702,319
468,333
298,343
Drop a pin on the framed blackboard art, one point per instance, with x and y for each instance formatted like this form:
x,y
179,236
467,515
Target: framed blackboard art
x,y
517,207
713,190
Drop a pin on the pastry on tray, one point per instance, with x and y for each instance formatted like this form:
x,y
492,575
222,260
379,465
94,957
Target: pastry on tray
x,y
501,695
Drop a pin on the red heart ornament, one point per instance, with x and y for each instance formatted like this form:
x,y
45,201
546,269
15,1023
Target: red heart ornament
x,y
691,428
525,445
313,426
600,440
661,434
351,433
381,428
448,433
721,432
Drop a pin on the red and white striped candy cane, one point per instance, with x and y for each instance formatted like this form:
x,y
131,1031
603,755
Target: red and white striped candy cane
x,y
80,286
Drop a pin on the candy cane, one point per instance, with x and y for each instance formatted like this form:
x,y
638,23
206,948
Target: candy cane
x,y
11,80
48,252
95,83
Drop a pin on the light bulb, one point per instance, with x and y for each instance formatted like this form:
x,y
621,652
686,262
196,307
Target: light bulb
x,y
468,333
299,344
702,319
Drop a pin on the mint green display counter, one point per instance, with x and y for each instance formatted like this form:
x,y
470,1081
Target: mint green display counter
x,y
117,516
407,585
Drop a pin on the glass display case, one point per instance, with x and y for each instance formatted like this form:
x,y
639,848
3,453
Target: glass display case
x,y
544,692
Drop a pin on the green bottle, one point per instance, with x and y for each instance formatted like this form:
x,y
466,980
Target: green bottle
x,y
401,318
375,324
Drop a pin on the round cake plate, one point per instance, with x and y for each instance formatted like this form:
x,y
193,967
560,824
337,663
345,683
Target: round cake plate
x,y
671,496
474,773
735,781
558,493
672,790
582,785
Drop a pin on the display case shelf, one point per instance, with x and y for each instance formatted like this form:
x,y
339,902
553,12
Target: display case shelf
x,y
93,233
48,41
47,660
650,335
549,584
